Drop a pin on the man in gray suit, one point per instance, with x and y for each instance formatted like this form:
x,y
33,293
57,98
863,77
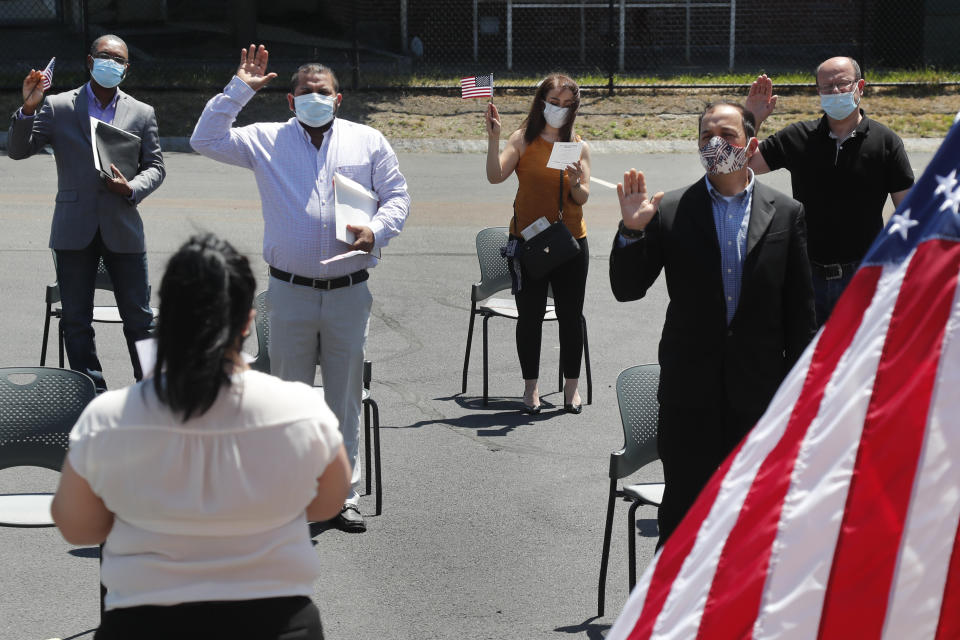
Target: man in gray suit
x,y
94,216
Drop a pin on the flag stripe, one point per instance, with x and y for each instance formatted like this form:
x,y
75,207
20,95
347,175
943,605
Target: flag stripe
x,y
809,524
931,527
948,627
735,594
859,586
675,551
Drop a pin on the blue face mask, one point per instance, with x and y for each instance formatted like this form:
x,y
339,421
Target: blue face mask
x,y
838,105
315,109
107,73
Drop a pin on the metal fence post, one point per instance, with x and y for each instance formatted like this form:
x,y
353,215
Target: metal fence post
x,y
356,50
733,30
610,45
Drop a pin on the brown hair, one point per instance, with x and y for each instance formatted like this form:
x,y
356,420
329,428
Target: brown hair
x,y
534,123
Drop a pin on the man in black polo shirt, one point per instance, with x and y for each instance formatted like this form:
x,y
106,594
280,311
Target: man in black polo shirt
x,y
841,167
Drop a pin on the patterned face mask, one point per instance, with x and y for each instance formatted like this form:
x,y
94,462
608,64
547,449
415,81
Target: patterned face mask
x,y
719,156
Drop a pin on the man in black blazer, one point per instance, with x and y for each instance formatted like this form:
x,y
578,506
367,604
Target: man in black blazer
x,y
741,305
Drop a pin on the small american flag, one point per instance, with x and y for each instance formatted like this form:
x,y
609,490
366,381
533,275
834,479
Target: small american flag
x,y
476,86
48,75
837,517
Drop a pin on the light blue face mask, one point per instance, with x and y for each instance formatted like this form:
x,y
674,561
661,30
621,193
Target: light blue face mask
x,y
107,73
314,109
838,105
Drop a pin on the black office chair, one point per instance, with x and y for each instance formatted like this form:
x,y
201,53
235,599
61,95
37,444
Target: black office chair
x,y
639,411
494,278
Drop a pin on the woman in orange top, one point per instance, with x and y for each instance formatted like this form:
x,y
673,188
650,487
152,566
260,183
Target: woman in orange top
x,y
541,193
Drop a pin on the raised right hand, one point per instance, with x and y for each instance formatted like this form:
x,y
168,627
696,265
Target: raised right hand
x,y
637,210
253,67
761,101
492,118
32,92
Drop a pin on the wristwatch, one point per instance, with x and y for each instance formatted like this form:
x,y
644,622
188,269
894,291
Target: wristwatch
x,y
633,234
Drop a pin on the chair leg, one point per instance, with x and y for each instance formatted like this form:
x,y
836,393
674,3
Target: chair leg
x,y
586,360
60,336
466,356
632,544
560,371
103,589
366,441
485,369
376,453
605,553
46,335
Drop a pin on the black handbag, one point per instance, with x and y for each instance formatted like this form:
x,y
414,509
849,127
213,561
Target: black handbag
x,y
550,248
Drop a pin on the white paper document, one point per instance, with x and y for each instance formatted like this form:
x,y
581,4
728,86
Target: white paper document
x,y
355,205
564,154
147,352
350,254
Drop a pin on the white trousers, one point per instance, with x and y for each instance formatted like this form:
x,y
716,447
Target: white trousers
x,y
310,326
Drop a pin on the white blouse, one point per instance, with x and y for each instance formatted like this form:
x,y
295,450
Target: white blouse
x,y
212,508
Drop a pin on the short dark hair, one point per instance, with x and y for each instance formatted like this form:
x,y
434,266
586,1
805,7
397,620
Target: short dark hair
x,y
856,69
534,123
95,45
313,67
205,299
747,119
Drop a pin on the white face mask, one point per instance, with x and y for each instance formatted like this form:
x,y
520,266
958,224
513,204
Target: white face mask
x,y
719,156
315,109
555,116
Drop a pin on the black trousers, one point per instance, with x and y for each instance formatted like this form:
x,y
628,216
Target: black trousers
x,y
692,443
289,618
569,284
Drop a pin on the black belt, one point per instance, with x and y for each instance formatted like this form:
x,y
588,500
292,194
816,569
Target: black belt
x,y
317,283
834,271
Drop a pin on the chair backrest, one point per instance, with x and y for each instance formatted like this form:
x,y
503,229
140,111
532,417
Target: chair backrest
x,y
262,363
38,408
494,274
639,410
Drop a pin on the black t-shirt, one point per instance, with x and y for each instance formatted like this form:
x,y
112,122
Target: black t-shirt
x,y
843,191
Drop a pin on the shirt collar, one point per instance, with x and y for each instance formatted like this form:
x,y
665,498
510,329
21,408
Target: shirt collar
x,y
306,136
861,129
92,96
716,195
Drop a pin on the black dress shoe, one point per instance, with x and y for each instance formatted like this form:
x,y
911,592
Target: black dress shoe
x,y
531,410
575,409
350,520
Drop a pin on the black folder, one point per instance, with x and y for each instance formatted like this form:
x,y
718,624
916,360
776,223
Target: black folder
x,y
118,147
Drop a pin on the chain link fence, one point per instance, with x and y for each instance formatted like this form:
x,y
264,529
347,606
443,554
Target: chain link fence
x,y
424,44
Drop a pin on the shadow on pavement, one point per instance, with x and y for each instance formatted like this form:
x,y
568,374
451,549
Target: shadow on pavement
x,y
593,630
498,418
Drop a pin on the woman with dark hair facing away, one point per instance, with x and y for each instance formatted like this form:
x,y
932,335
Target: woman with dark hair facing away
x,y
201,480
548,193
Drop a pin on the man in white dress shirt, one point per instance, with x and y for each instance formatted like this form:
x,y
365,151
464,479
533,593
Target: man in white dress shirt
x,y
316,306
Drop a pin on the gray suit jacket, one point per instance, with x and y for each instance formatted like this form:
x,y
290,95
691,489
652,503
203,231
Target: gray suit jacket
x,y
83,202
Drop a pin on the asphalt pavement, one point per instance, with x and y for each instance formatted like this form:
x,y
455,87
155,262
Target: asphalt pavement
x,y
492,520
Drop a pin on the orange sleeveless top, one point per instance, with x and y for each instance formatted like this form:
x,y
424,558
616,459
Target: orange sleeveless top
x,y
539,191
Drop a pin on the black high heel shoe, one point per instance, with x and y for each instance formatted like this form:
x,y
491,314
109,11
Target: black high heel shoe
x,y
575,409
532,411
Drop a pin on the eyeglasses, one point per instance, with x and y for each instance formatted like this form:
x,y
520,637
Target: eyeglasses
x,y
843,86
103,55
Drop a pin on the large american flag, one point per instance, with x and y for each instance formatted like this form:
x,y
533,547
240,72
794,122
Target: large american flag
x,y
476,86
837,516
47,80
